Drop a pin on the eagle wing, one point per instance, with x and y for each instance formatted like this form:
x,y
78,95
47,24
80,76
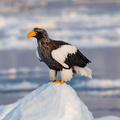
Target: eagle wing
x,y
37,54
77,59
68,55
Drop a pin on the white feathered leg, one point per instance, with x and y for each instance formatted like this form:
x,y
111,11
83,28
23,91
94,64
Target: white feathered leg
x,y
66,74
53,74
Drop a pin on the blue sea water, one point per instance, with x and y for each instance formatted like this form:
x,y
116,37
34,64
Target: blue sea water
x,y
22,69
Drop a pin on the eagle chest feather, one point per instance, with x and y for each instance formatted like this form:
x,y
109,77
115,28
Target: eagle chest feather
x,y
44,51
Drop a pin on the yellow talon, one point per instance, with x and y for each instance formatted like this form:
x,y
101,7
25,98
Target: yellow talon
x,y
56,81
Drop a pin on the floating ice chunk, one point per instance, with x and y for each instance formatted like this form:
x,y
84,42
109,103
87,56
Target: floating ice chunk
x,y
49,102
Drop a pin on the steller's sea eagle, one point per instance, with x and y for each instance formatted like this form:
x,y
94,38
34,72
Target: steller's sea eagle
x,y
60,56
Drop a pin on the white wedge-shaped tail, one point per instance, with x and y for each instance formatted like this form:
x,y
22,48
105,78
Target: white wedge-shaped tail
x,y
83,71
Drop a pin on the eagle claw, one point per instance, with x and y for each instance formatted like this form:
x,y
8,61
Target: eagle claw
x,y
56,81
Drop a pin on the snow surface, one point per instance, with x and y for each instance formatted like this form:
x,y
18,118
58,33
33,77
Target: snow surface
x,y
49,102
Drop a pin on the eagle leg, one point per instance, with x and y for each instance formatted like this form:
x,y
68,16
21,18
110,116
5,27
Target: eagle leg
x,y
56,81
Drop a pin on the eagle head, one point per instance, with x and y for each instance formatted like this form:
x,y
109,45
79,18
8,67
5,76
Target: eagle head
x,y
38,33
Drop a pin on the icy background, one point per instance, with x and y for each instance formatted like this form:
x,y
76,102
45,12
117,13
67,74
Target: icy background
x,y
92,26
83,27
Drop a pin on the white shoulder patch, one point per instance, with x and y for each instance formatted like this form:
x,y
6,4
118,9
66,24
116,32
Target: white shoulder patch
x,y
61,53
37,54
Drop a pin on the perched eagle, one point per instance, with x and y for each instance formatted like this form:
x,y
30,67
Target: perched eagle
x,y
60,56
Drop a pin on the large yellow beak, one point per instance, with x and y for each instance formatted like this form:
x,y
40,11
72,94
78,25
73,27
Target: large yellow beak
x,y
31,34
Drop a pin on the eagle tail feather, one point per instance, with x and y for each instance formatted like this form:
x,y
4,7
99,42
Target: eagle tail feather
x,y
83,71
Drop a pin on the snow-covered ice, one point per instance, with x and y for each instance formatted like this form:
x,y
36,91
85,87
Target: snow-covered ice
x,y
49,102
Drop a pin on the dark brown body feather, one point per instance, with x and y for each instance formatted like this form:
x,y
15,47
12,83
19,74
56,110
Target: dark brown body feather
x,y
45,49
